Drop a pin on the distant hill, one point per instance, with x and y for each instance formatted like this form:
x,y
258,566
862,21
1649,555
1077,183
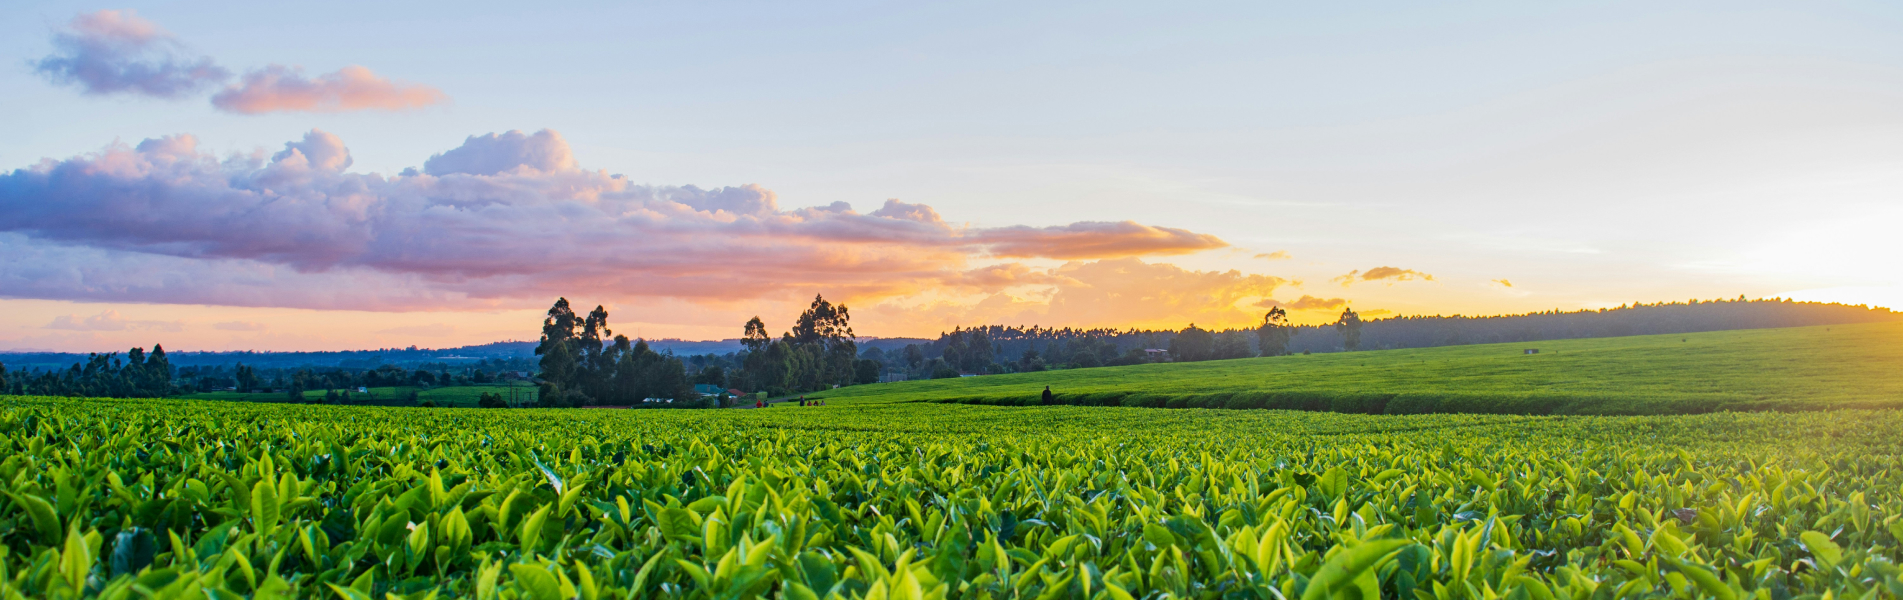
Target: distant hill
x,y
409,358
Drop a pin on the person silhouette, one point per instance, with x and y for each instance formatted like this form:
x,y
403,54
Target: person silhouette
x,y
1047,394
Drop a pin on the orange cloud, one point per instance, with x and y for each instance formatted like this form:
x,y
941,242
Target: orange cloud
x,y
1503,282
1389,274
1276,255
285,89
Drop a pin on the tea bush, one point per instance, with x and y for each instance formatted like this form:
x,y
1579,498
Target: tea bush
x,y
195,499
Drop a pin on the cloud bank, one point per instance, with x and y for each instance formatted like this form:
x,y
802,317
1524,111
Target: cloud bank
x,y
279,88
116,52
506,219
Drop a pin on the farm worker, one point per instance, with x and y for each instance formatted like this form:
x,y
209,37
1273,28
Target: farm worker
x,y
1047,394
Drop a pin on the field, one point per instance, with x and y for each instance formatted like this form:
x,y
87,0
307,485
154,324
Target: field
x,y
181,498
459,396
1807,368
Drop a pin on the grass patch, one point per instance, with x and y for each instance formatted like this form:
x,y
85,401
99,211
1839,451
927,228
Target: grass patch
x,y
1793,369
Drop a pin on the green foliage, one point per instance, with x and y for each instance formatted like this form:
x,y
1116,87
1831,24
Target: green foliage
x,y
1809,368
176,499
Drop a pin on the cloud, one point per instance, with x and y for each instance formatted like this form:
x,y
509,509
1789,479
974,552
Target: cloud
x,y
492,154
278,88
1503,282
993,278
1388,274
110,321
238,326
504,220
1091,239
116,52
1276,255
1305,303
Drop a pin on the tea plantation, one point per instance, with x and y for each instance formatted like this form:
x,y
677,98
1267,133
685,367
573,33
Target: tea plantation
x,y
1802,368
195,499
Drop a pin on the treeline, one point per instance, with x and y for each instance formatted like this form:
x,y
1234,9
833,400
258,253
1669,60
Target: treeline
x,y
141,375
582,366
1005,349
138,375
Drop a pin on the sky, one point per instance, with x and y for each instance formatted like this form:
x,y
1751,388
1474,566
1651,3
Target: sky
x,y
227,176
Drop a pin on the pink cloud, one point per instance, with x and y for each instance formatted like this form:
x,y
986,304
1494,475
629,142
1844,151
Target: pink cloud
x,y
504,220
277,88
117,52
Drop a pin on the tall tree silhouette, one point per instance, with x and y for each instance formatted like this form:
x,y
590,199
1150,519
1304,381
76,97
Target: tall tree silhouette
x,y
1349,325
1273,336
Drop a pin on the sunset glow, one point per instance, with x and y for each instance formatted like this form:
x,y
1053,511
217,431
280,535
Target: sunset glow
x,y
314,179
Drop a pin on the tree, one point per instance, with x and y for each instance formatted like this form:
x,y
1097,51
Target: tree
x,y
825,329
1085,360
942,370
1030,362
299,382
1231,344
488,400
247,378
756,338
558,369
914,356
557,349
823,323
1192,344
970,350
865,370
158,372
1349,326
4,388
712,375
1273,336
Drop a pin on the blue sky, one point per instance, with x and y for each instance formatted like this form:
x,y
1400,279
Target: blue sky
x,y
1589,153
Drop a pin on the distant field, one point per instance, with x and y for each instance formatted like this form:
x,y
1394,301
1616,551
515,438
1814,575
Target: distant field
x,y
1805,368
462,395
